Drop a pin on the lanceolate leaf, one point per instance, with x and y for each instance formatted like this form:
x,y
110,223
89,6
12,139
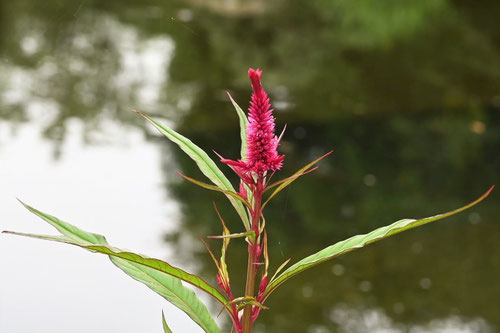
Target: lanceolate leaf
x,y
243,134
68,230
243,127
225,245
250,234
160,266
172,290
280,268
166,329
204,162
357,242
155,264
290,179
161,277
215,188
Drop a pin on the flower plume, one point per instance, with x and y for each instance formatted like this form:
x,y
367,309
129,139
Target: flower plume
x,y
262,143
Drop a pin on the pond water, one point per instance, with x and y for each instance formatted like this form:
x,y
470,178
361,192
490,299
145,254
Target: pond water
x,y
406,93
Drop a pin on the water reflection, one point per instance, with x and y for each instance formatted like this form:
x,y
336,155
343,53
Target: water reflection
x,y
95,69
113,190
405,92
373,320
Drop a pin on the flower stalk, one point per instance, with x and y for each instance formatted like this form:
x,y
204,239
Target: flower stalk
x,y
254,250
261,157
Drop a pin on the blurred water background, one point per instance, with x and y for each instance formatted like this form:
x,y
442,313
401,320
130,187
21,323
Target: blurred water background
x,y
407,93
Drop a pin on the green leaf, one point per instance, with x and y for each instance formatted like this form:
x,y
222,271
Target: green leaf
x,y
289,180
280,268
166,329
225,245
250,234
172,290
357,242
215,188
204,162
243,135
155,264
70,231
159,276
243,127
245,300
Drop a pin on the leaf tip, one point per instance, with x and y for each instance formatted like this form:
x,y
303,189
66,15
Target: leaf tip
x,y
282,133
219,155
142,114
487,193
25,205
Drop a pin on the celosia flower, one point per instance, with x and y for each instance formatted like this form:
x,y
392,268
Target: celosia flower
x,y
262,143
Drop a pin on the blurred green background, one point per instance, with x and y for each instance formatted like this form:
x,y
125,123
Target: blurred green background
x,y
407,93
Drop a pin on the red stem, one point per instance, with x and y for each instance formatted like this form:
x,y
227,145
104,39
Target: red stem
x,y
253,257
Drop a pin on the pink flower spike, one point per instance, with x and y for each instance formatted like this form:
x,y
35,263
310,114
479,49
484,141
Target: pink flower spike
x,y
262,143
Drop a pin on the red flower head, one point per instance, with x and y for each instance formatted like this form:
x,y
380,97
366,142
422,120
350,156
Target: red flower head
x,y
262,143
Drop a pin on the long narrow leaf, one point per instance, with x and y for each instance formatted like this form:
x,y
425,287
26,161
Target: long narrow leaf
x,y
163,284
250,234
155,264
290,179
225,245
243,127
152,272
359,241
204,162
216,262
280,268
68,230
215,188
166,329
172,290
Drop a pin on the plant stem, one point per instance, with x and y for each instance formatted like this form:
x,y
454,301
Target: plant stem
x,y
252,259
249,291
